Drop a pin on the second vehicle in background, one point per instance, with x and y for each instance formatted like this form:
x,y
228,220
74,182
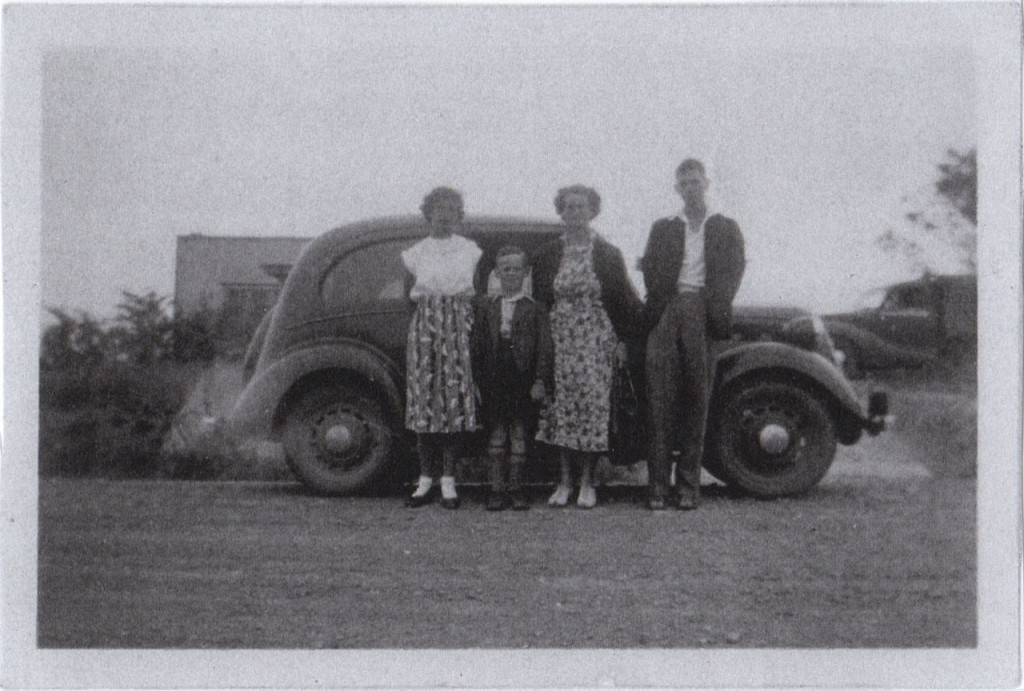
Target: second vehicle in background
x,y
909,324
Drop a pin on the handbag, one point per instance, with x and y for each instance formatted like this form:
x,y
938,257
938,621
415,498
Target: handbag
x,y
627,430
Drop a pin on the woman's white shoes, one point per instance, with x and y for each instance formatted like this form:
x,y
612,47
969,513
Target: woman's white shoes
x,y
560,497
586,500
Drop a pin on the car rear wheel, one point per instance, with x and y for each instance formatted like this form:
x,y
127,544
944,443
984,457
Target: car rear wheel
x,y
337,439
771,438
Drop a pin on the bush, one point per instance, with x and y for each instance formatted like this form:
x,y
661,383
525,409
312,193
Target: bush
x,y
201,451
108,393
73,342
110,422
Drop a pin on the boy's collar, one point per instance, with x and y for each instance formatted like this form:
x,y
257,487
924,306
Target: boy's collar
x,y
515,298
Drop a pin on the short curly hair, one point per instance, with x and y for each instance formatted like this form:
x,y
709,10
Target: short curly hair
x,y
691,164
593,198
436,195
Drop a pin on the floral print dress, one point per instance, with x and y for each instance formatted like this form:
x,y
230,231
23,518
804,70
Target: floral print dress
x,y
440,395
578,415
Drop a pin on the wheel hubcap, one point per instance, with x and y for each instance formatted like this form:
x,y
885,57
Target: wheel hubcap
x,y
774,439
772,434
340,437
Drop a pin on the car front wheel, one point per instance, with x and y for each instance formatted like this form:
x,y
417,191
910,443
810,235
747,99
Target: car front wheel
x,y
337,439
771,438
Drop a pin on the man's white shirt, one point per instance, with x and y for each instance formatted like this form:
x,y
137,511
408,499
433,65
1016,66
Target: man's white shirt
x,y
693,273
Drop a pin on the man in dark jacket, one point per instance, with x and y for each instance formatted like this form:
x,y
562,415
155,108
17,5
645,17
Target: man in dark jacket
x,y
692,267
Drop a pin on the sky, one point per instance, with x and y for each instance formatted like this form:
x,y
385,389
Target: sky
x,y
815,123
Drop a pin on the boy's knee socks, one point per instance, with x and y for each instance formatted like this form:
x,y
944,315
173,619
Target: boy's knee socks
x,y
497,472
516,463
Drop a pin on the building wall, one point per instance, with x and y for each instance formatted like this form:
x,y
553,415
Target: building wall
x,y
210,269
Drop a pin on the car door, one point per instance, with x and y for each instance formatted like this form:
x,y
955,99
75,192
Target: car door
x,y
907,317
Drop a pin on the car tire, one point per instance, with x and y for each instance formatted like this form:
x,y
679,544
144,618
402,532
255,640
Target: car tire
x,y
852,362
771,438
337,439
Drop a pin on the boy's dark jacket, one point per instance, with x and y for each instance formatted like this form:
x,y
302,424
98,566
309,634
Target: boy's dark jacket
x,y
531,343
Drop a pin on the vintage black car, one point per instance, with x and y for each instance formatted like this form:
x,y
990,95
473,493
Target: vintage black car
x,y
909,324
325,372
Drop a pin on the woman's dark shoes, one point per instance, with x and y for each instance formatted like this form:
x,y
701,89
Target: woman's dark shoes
x,y
498,501
450,503
519,502
416,501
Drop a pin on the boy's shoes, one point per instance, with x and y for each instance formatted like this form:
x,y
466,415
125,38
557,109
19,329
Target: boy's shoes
x,y
498,501
416,501
519,502
450,503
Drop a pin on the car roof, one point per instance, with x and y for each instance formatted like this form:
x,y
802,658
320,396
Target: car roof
x,y
320,254
385,226
938,278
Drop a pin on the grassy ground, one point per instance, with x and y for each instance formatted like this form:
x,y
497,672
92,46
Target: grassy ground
x,y
862,561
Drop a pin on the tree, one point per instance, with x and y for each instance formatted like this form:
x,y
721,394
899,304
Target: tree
x,y
73,342
945,218
958,182
142,331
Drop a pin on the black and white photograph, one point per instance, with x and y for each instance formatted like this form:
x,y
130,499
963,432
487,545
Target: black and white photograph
x,y
524,346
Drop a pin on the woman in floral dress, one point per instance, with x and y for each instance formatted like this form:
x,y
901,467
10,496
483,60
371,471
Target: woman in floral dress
x,y
440,402
582,280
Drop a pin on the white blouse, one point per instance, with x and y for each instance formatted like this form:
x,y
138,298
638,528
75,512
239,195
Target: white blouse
x,y
442,266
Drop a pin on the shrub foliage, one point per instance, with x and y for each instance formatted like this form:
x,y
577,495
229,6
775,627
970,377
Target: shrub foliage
x,y
109,392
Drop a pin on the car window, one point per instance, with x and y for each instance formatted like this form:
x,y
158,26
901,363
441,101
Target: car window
x,y
369,274
871,300
909,299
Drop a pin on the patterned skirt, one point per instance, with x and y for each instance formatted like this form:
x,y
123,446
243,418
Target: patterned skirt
x,y
440,395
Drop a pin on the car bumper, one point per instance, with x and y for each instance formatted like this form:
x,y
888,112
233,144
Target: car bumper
x,y
878,417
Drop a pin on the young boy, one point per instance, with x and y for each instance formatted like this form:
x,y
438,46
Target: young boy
x,y
513,361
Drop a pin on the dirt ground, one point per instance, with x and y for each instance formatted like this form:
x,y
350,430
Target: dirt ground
x,y
881,554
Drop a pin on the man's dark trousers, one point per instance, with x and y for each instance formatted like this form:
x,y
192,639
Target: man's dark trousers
x,y
678,390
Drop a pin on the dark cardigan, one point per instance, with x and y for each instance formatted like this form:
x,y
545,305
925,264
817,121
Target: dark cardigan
x,y
618,295
723,258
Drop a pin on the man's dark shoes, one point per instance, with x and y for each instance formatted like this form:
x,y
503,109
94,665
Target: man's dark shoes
x,y
498,501
414,502
519,502
687,501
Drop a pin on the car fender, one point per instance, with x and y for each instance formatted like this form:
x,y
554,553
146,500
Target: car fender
x,y
873,349
785,361
258,409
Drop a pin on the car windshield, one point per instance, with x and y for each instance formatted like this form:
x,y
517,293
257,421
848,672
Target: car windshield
x,y
871,300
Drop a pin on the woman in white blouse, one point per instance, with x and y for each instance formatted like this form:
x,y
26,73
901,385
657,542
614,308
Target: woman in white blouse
x,y
440,402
